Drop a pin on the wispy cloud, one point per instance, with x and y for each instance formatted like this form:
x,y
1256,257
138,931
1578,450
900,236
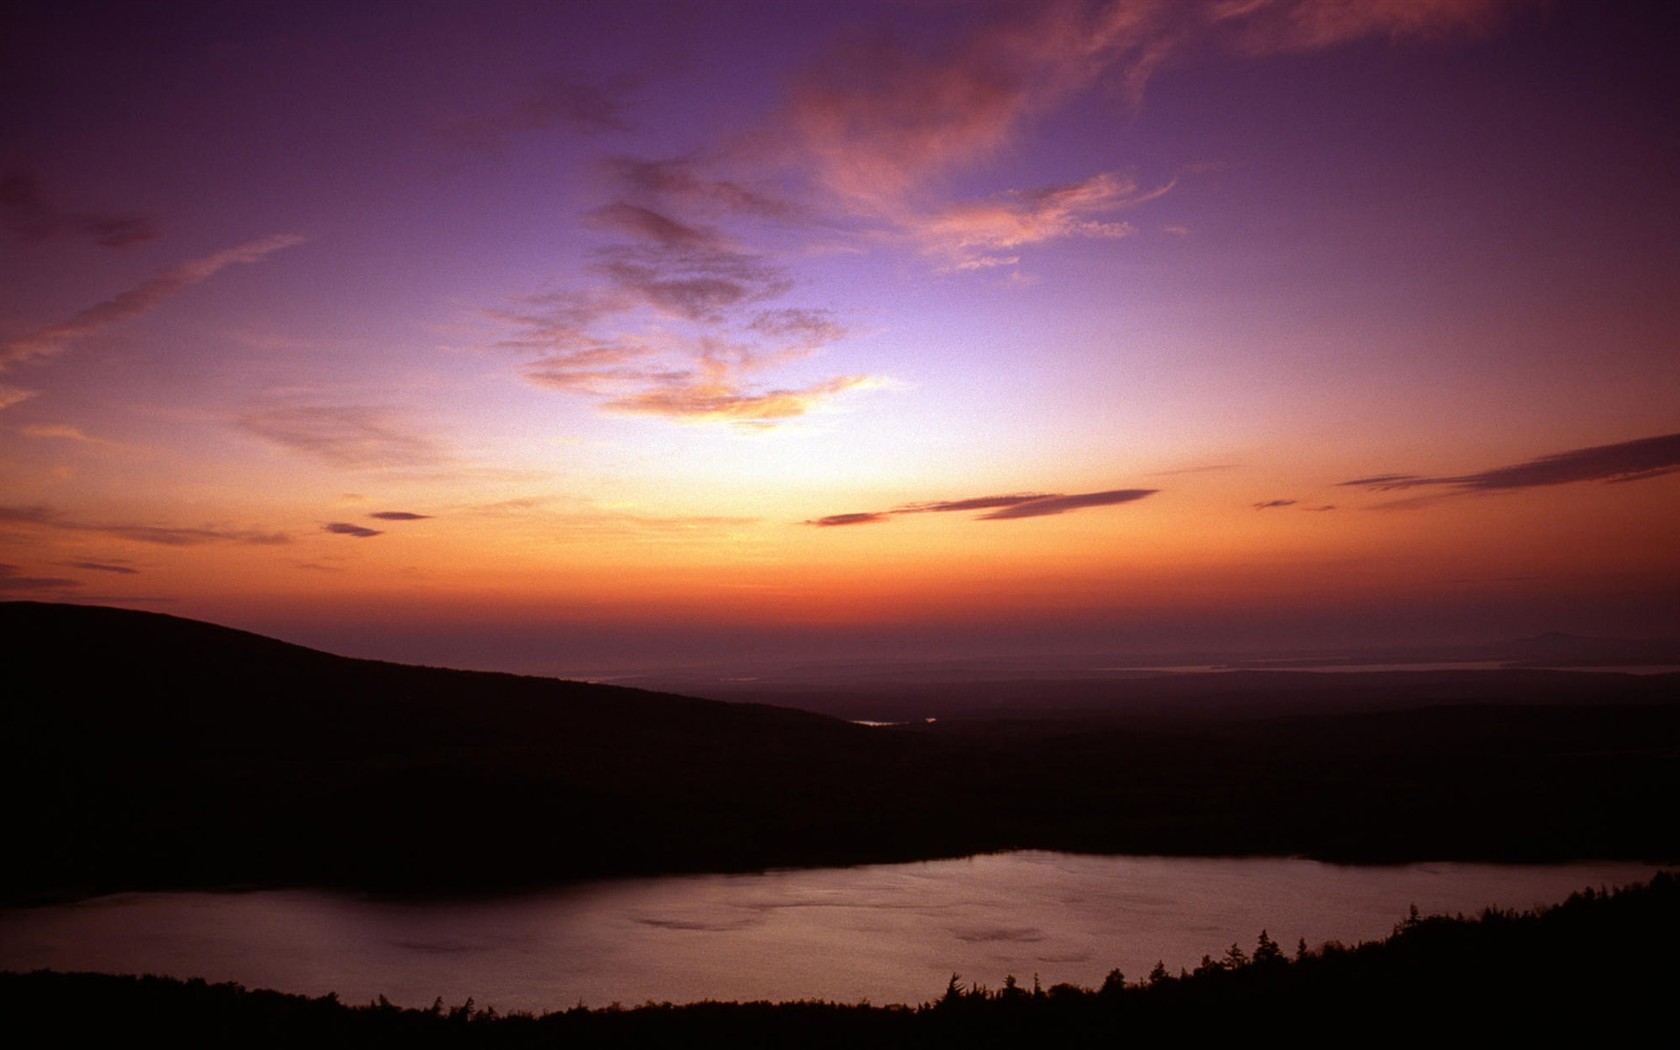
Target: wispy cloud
x,y
679,318
680,270
398,515
860,518
99,566
12,579
682,183
721,398
1278,504
352,437
976,503
1267,26
878,128
557,102
1626,461
798,330
345,528
581,519
679,324
12,395
881,126
1048,505
58,431
36,215
878,120
1192,470
162,535
139,300
649,225
970,233
1382,481
1001,508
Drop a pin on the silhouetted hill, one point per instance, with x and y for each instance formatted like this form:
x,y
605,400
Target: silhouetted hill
x,y
146,751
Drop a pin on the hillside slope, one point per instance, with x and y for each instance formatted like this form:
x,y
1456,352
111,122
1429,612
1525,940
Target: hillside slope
x,y
161,751
140,751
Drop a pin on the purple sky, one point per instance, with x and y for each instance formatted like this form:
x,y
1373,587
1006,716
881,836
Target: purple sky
x,y
562,336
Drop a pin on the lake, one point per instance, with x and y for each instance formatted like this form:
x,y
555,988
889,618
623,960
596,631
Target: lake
x,y
890,933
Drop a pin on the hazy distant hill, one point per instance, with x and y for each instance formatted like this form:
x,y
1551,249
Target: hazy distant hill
x,y
149,751
1163,699
1136,683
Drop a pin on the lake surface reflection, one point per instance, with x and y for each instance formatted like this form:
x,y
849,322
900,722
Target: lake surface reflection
x,y
885,933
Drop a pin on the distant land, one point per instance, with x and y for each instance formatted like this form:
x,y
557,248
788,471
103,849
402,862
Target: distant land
x,y
898,689
1175,697
1552,649
144,751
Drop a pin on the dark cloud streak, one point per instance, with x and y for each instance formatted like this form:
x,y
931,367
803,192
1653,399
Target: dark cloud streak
x,y
345,528
1019,505
557,102
862,518
12,579
1049,505
162,535
36,216
977,503
97,566
1382,481
1625,461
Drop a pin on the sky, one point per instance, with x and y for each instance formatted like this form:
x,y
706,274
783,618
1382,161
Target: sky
x,y
571,337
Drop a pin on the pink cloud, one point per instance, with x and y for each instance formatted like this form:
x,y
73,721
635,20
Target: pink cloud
x,y
11,395
725,399
878,124
679,323
970,232
877,119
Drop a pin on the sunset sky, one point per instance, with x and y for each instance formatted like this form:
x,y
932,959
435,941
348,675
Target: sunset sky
x,y
568,337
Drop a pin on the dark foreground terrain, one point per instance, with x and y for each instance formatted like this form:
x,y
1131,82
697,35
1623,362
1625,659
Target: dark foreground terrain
x,y
141,751
1599,969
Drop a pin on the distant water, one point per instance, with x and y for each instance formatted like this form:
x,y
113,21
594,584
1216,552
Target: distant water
x,y
885,933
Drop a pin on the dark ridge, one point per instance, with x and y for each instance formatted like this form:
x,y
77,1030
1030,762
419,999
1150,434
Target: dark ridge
x,y
147,751
140,751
